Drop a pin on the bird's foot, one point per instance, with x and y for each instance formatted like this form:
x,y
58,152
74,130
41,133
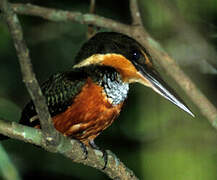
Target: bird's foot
x,y
84,149
104,153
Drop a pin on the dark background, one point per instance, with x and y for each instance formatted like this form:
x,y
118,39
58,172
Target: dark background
x,y
152,137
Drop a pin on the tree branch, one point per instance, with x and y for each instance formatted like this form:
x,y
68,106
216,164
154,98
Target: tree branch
x,y
90,29
29,78
70,148
135,13
170,66
140,34
61,15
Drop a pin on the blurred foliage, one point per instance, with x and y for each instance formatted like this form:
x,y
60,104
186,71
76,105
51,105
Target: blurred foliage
x,y
7,169
152,137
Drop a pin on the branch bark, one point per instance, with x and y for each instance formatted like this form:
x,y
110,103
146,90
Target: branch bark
x,y
70,148
90,29
50,134
140,34
61,16
135,13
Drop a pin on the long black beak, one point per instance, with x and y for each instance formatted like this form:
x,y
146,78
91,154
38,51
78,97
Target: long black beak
x,y
153,80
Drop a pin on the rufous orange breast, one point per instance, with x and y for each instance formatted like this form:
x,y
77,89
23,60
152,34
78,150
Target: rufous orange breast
x,y
90,113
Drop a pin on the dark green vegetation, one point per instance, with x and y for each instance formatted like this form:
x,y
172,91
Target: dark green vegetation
x,y
152,137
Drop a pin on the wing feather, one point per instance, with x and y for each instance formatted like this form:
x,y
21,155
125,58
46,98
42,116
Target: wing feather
x,y
59,91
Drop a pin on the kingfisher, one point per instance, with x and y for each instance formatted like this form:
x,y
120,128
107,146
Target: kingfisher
x,y
87,98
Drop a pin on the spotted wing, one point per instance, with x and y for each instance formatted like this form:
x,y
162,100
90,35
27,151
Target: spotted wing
x,y
59,91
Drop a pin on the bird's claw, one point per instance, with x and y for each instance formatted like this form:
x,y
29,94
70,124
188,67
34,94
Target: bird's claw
x,y
105,158
84,149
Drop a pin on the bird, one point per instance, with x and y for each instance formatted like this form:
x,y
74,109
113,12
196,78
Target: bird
x,y
86,99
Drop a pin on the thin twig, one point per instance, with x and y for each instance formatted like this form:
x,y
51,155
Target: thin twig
x,y
61,15
135,13
115,169
29,78
198,98
90,29
171,67
141,35
70,148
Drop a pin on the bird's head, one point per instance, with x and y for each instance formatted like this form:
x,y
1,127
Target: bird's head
x,y
130,59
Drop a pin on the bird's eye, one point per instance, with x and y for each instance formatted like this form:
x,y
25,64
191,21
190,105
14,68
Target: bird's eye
x,y
136,55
